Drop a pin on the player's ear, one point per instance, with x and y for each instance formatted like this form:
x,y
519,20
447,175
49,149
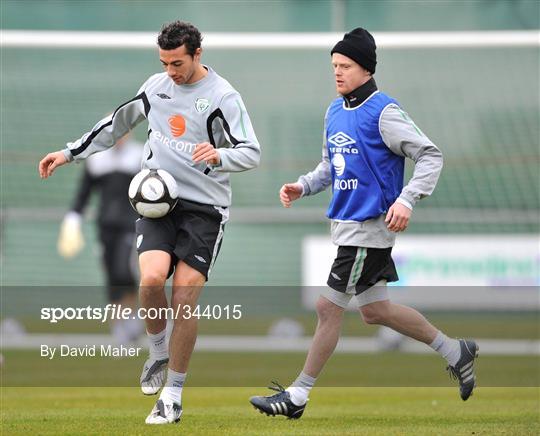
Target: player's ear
x,y
197,54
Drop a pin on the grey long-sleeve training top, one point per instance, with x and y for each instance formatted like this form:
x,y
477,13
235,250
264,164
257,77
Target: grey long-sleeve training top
x,y
180,117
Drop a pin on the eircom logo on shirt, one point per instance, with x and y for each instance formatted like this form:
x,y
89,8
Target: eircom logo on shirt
x,y
339,164
177,124
342,144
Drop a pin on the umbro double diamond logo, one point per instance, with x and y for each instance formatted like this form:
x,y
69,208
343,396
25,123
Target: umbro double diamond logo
x,y
164,96
199,258
341,139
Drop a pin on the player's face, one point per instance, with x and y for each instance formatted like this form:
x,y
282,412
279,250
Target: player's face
x,y
348,74
181,67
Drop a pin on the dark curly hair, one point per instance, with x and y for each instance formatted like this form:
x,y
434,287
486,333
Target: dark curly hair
x,y
178,33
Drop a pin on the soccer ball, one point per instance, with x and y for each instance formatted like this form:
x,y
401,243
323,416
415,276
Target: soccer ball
x,y
153,193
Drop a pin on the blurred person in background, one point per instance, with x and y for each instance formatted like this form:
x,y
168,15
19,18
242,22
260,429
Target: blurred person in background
x,y
109,174
199,131
367,137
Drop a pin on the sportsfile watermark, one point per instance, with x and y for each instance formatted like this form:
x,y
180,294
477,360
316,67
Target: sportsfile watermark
x,y
112,312
248,335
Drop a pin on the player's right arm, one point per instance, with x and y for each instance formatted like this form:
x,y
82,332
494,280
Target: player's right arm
x,y
103,135
49,163
311,183
290,192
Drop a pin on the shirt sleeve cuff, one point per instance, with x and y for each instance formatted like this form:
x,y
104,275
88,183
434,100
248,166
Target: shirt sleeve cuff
x,y
404,203
67,154
219,165
305,187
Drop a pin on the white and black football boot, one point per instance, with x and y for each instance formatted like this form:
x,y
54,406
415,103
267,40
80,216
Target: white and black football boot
x,y
463,370
278,404
153,376
164,413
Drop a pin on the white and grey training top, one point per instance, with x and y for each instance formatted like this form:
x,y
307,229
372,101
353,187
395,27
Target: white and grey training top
x,y
180,117
403,138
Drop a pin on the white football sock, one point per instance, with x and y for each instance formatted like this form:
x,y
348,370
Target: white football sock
x,y
447,348
300,389
172,392
159,349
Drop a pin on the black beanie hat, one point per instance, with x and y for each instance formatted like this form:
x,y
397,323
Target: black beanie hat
x,y
358,45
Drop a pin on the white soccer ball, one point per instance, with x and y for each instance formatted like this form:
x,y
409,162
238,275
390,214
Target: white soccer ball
x,y
153,193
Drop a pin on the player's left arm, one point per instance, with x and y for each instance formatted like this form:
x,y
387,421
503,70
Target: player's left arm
x,y
244,151
404,138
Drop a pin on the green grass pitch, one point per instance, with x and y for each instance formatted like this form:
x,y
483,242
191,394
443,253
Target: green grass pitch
x,y
394,394
226,411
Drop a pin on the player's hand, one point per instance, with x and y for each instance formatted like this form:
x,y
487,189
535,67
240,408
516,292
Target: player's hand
x,y
397,218
205,152
70,239
290,192
49,163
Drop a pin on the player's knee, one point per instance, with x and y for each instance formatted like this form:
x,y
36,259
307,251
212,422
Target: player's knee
x,y
326,310
186,277
375,313
153,279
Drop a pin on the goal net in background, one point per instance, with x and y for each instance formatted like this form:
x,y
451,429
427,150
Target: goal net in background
x,y
475,95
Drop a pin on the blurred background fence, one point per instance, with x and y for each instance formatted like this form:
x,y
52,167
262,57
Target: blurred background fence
x,y
480,105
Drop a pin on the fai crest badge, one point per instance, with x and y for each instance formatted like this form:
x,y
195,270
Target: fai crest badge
x,y
202,104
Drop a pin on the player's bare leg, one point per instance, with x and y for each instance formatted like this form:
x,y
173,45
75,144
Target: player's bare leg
x,y
292,402
325,339
459,354
187,286
402,319
154,266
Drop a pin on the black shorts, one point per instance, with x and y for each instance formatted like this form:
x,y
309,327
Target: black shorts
x,y
356,269
191,233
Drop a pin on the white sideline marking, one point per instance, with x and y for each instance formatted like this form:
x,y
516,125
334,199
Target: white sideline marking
x,y
222,343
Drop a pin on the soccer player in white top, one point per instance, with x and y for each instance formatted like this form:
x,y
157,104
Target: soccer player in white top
x,y
199,131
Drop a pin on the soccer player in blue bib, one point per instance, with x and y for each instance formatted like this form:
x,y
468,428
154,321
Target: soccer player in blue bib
x,y
367,137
